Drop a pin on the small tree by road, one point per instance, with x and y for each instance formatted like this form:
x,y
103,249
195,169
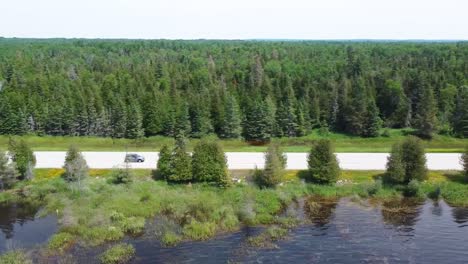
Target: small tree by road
x,y
164,163
76,169
181,163
275,164
23,156
407,162
322,163
209,164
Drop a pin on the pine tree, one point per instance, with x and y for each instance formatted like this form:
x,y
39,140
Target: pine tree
x,y
76,169
181,163
395,165
118,119
209,163
460,113
322,163
164,163
134,128
231,127
182,122
275,163
426,120
372,121
257,126
200,120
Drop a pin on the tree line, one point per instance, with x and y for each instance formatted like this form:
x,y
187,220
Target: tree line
x,y
234,89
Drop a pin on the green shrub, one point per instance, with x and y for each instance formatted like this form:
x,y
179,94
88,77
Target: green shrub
x,y
275,163
374,188
24,158
412,189
170,239
8,171
407,161
15,257
61,242
199,230
121,176
164,163
118,254
322,163
209,163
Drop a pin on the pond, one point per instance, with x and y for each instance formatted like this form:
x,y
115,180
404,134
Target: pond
x,y
341,231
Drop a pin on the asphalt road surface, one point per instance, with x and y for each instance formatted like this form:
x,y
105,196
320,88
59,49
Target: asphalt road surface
x,y
249,160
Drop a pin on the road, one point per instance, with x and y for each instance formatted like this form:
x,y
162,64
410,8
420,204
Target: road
x,y
249,160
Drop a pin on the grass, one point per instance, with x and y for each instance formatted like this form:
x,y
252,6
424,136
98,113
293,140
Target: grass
x,y
343,143
118,254
60,242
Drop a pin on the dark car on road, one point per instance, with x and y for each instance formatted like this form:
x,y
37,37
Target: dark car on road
x,y
134,158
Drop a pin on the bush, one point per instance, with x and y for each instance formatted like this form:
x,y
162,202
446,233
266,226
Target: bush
x,y
464,161
407,162
209,163
322,163
412,189
15,257
76,169
24,158
121,176
164,163
120,253
275,163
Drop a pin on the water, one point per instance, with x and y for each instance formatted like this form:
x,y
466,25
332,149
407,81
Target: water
x,y
332,232
21,227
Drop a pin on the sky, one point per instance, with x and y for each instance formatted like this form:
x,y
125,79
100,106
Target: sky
x,y
236,19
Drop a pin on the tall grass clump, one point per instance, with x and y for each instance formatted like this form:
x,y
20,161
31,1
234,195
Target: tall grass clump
x,y
120,253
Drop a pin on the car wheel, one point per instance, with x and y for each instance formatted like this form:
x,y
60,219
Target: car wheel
x,y
140,160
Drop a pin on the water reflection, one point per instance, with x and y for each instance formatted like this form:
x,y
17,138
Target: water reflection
x,y
21,228
401,212
460,215
320,210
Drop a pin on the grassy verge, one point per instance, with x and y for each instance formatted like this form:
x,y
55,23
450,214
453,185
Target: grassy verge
x,y
343,143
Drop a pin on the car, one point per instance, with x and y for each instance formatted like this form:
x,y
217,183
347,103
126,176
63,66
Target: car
x,y
132,157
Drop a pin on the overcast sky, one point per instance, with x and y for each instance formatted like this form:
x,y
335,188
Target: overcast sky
x,y
236,19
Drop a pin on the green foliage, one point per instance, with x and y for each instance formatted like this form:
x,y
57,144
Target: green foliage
x,y
60,242
199,231
209,163
181,163
464,162
120,253
15,257
275,163
8,171
164,162
170,239
24,158
407,162
322,163
412,189
76,169
121,176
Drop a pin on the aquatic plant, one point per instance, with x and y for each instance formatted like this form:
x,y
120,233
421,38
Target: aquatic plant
x,y
117,254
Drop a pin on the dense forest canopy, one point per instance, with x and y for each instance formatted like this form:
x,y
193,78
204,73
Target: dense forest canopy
x,y
250,89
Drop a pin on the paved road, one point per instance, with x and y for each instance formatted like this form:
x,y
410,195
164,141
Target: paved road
x,y
249,160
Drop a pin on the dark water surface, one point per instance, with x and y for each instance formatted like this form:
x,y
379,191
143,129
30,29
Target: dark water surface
x,y
334,232
20,226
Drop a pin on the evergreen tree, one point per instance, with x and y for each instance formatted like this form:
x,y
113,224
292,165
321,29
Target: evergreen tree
x,y
231,127
209,163
372,121
407,162
181,163
257,126
322,163
182,122
164,163
200,120
275,163
460,113
76,169
134,129
24,158
426,115
118,119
